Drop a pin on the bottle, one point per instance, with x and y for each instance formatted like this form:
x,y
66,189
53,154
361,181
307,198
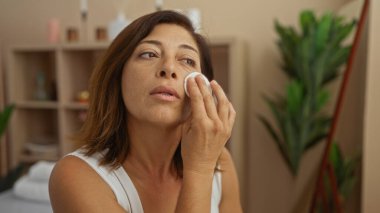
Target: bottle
x,y
53,31
117,25
41,93
194,14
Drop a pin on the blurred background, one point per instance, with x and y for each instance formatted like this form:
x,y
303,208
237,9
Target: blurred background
x,y
48,48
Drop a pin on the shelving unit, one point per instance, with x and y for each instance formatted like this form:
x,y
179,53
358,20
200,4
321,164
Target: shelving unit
x,y
67,69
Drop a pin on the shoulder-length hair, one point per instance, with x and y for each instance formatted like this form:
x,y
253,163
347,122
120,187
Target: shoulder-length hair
x,y
105,126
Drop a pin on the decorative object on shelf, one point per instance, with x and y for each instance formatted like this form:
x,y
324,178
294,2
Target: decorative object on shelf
x,y
72,34
117,25
120,22
312,59
101,34
84,16
83,96
41,93
158,4
194,14
53,31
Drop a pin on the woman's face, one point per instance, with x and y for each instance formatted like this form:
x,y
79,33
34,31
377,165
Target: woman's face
x,y
152,79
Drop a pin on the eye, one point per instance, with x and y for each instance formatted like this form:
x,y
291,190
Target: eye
x,y
148,55
190,62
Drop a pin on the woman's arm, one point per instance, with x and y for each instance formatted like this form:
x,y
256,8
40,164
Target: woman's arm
x,y
230,185
76,187
204,136
197,188
195,195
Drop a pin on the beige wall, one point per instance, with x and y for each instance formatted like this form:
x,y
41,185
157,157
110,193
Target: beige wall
x,y
270,186
371,172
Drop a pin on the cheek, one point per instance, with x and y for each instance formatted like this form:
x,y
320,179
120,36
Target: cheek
x,y
132,78
131,89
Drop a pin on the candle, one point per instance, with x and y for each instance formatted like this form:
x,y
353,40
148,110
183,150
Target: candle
x,y
83,6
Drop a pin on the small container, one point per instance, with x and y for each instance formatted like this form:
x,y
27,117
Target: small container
x,y
72,34
101,34
53,30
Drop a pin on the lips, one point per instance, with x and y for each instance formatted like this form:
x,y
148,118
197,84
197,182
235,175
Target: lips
x,y
164,90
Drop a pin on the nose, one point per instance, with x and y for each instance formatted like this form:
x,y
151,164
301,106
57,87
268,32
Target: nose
x,y
168,70
167,74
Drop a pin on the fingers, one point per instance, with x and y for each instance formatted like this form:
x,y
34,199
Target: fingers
x,y
231,115
203,104
226,111
223,102
198,110
208,100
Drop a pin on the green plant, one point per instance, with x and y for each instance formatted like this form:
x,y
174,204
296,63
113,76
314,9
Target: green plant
x,y
311,59
4,118
345,174
7,181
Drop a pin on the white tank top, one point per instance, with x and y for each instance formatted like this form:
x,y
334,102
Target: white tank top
x,y
124,190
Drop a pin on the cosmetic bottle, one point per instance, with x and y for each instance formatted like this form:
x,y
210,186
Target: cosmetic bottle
x,y
117,25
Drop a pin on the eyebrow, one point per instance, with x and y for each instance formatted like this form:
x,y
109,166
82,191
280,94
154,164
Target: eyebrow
x,y
158,43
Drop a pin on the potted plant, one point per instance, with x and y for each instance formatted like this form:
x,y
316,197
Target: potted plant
x,y
344,170
312,58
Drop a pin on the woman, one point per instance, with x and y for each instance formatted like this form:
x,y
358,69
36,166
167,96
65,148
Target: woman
x,y
149,147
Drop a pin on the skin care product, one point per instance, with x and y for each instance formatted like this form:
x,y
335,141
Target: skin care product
x,y
193,75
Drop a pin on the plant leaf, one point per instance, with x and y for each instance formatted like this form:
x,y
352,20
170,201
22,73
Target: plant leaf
x,y
4,118
342,32
323,32
276,138
307,22
294,97
322,99
277,114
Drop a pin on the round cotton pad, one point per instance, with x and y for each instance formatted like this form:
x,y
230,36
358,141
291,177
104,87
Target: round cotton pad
x,y
193,75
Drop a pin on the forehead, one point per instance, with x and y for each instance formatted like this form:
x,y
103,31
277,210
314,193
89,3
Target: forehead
x,y
172,34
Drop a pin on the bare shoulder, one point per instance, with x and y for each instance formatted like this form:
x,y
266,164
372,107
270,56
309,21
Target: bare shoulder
x,y
75,187
230,186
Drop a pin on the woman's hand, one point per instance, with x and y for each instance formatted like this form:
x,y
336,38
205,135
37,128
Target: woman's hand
x,y
208,128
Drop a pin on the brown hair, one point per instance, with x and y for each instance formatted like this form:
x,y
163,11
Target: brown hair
x,y
105,126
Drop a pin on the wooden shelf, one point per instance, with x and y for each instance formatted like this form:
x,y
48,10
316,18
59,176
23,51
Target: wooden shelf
x,y
76,106
37,104
34,47
85,46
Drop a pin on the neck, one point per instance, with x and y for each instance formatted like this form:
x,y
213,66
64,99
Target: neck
x,y
152,149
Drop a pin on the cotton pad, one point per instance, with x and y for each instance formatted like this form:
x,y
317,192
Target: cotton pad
x,y
193,75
